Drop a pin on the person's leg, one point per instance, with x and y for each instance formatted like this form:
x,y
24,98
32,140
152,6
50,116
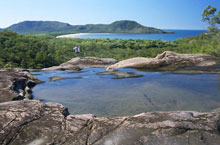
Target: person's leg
x,y
77,54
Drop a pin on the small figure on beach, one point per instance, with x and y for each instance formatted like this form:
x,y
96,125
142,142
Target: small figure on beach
x,y
77,50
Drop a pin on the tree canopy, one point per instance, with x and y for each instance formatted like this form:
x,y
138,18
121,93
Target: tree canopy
x,y
211,15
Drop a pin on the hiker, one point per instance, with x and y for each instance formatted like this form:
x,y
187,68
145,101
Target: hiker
x,y
77,50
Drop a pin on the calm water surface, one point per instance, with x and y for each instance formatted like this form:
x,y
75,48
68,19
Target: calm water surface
x,y
168,37
104,96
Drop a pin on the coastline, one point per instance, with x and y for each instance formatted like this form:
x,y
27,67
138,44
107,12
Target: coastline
x,y
77,34
72,35
167,37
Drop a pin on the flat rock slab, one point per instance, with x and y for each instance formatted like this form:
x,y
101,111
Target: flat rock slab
x,y
78,63
167,61
33,122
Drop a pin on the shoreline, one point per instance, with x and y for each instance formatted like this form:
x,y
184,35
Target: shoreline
x,y
80,34
126,36
76,35
72,35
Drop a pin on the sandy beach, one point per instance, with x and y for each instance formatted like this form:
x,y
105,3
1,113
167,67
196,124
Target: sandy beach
x,y
77,34
72,35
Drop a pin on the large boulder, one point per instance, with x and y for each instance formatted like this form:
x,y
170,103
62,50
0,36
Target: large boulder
x,y
32,122
78,63
16,84
168,61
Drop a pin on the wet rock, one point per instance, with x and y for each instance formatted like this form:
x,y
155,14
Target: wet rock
x,y
64,67
16,84
120,75
30,77
78,63
55,78
168,61
199,69
34,70
33,122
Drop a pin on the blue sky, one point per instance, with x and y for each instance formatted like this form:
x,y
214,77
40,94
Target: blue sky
x,y
165,14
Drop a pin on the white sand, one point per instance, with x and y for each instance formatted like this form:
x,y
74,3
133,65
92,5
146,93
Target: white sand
x,y
77,34
72,35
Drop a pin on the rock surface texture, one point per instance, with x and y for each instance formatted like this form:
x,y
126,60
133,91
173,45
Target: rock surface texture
x,y
16,84
32,122
78,63
168,61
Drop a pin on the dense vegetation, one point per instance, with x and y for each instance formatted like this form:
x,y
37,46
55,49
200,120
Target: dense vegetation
x,y
24,51
43,50
58,28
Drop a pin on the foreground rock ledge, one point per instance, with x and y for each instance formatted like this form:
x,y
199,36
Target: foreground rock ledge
x,y
33,122
168,61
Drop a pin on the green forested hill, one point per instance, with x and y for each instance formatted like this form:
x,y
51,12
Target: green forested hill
x,y
57,28
131,27
40,27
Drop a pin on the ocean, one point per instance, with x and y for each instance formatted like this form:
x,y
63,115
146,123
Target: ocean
x,y
168,37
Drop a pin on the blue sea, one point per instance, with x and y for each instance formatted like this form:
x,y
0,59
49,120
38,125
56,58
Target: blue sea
x,y
168,37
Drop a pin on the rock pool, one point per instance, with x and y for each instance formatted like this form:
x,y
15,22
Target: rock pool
x,y
92,91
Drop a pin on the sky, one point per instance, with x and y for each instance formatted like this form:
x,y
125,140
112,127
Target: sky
x,y
163,14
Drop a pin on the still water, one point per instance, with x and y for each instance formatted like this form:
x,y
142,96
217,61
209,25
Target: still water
x,y
168,37
88,92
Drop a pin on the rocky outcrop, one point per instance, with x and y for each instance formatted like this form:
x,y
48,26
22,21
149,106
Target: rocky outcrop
x,y
16,84
78,63
167,61
32,122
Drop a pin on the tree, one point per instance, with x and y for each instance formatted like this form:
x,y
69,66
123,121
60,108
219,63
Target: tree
x,y
211,15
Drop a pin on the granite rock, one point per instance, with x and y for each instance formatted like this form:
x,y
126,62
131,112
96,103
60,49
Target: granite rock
x,y
167,61
78,63
31,122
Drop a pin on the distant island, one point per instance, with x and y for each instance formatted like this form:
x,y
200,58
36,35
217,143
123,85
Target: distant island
x,y
58,28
